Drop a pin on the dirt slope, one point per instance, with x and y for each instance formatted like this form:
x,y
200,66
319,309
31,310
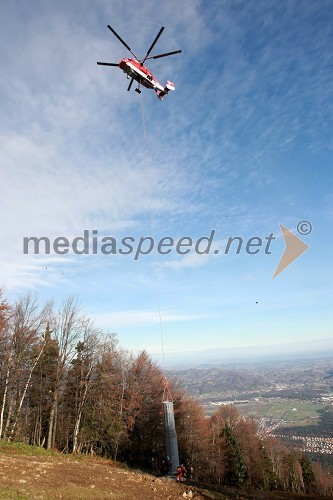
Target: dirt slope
x,y
28,472
68,478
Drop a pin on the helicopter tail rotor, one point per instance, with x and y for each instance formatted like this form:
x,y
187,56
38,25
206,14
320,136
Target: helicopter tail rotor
x,y
168,86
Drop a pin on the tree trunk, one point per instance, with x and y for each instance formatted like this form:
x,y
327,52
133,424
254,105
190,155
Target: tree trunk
x,y
10,408
120,419
79,415
5,393
13,430
50,436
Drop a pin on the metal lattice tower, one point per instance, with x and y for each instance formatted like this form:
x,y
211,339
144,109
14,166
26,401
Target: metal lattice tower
x,y
171,443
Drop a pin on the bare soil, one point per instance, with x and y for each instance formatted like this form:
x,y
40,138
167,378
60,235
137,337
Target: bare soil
x,y
86,478
56,476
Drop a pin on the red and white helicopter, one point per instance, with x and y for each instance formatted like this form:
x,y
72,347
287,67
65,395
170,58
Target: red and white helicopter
x,y
135,69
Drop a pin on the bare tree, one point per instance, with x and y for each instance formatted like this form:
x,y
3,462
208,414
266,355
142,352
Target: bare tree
x,y
5,313
5,352
84,365
66,327
24,344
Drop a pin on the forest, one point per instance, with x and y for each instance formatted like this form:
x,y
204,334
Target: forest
x,y
66,384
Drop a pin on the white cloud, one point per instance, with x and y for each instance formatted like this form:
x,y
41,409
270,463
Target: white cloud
x,y
253,89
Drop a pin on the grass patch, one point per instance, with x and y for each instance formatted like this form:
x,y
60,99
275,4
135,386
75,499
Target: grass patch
x,y
25,449
69,493
294,412
9,494
17,448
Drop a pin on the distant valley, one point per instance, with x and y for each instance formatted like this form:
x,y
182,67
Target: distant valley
x,y
289,399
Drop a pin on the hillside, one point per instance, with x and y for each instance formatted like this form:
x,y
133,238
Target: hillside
x,y
81,393
292,379
31,472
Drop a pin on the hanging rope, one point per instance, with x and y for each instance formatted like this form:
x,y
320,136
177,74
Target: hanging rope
x,y
153,236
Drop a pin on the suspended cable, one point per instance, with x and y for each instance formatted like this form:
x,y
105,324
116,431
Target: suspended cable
x,y
153,236
171,443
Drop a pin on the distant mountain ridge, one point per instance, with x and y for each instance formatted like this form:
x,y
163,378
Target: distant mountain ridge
x,y
279,377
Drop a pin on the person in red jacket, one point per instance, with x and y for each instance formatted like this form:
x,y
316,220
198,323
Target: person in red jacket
x,y
181,473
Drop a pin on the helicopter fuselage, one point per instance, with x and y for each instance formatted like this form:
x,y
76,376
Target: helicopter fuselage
x,y
134,69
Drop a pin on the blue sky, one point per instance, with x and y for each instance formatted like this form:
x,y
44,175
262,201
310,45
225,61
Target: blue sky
x,y
243,144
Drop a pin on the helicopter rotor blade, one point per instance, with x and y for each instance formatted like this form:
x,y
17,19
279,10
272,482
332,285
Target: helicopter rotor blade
x,y
165,55
108,64
153,44
121,40
130,85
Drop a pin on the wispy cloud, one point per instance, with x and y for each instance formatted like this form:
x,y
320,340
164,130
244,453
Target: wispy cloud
x,y
141,318
246,133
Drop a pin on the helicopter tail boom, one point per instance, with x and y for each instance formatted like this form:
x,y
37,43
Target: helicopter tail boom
x,y
162,93
169,86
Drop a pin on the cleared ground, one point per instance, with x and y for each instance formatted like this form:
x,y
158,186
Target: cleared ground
x,y
28,472
34,473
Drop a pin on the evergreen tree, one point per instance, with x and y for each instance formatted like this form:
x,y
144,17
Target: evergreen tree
x,y
308,475
41,390
236,472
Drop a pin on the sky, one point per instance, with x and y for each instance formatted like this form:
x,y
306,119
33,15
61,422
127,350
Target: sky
x,y
242,145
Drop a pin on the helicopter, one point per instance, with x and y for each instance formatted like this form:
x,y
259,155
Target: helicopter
x,y
136,70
